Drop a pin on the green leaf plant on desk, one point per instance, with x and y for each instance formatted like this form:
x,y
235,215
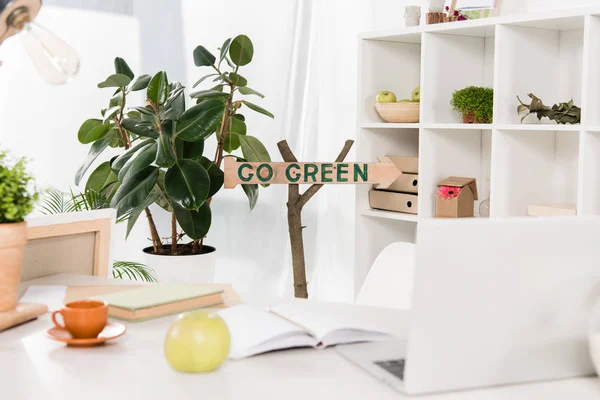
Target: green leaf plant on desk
x,y
163,160
16,202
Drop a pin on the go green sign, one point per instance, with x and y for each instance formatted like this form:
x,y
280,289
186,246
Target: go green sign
x,y
308,173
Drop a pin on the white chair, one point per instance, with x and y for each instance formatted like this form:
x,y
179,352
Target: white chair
x,y
78,242
390,279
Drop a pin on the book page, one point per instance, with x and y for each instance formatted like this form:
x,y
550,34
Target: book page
x,y
329,324
254,331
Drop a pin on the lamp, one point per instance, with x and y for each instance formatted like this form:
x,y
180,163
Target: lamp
x,y
55,60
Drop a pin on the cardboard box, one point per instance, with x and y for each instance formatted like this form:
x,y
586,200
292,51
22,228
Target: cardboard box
x,y
392,201
408,165
457,204
406,183
552,210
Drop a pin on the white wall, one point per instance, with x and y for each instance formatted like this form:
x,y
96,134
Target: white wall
x,y
41,121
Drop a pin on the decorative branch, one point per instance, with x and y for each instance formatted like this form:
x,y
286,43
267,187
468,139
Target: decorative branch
x,y
563,113
314,188
295,203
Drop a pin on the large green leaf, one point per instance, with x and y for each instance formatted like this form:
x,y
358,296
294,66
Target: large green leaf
x,y
134,190
111,113
192,150
140,83
92,130
100,178
208,94
134,214
134,125
241,50
253,149
122,68
174,107
216,175
116,100
187,184
246,90
237,79
120,161
195,224
251,191
203,57
158,88
138,161
115,80
232,141
162,201
97,147
165,155
258,109
224,50
200,121
199,81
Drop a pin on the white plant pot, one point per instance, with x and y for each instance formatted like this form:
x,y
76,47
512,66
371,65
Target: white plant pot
x,y
196,268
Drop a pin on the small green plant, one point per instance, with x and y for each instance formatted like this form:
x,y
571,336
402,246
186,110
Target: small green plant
x,y
16,196
563,113
475,100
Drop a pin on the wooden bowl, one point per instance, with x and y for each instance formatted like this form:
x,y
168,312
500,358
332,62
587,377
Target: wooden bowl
x,y
399,112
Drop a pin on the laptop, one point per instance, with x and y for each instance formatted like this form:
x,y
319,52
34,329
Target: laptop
x,y
498,301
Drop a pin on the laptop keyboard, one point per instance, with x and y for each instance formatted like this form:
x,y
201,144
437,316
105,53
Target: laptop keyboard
x,y
394,367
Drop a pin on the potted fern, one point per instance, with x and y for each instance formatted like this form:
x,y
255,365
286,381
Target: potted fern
x,y
163,160
16,202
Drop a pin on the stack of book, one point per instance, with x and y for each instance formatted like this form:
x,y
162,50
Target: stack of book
x,y
401,196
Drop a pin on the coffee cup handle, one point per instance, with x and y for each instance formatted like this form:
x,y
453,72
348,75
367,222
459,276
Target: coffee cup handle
x,y
55,321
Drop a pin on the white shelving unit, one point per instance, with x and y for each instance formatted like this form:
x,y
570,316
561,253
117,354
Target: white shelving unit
x,y
555,55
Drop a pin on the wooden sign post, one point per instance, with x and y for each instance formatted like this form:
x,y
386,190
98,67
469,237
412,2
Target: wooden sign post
x,y
293,173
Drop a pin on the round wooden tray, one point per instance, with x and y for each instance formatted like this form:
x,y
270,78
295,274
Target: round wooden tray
x,y
399,112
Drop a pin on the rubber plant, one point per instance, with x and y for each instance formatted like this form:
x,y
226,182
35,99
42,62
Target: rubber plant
x,y
163,161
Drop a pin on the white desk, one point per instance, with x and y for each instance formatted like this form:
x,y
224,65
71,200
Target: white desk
x,y
34,367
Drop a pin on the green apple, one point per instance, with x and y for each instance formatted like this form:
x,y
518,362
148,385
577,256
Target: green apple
x,y
404,101
386,97
197,342
416,94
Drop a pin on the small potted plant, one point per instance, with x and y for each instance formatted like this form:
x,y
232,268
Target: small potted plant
x,y
164,162
16,202
476,104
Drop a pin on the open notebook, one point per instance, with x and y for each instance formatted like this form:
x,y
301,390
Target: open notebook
x,y
254,330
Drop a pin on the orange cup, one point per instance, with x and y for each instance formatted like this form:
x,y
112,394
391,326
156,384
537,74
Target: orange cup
x,y
83,319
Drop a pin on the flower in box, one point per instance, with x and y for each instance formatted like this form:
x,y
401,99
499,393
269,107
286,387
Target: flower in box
x,y
455,197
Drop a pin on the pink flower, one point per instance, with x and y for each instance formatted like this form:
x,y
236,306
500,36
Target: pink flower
x,y
448,192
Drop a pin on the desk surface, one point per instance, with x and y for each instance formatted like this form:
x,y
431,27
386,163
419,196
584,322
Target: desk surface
x,y
133,367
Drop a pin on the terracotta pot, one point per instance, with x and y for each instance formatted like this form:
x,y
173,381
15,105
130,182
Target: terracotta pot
x,y
12,244
468,118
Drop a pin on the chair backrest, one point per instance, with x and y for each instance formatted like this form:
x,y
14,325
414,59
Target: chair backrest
x,y
74,242
390,279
